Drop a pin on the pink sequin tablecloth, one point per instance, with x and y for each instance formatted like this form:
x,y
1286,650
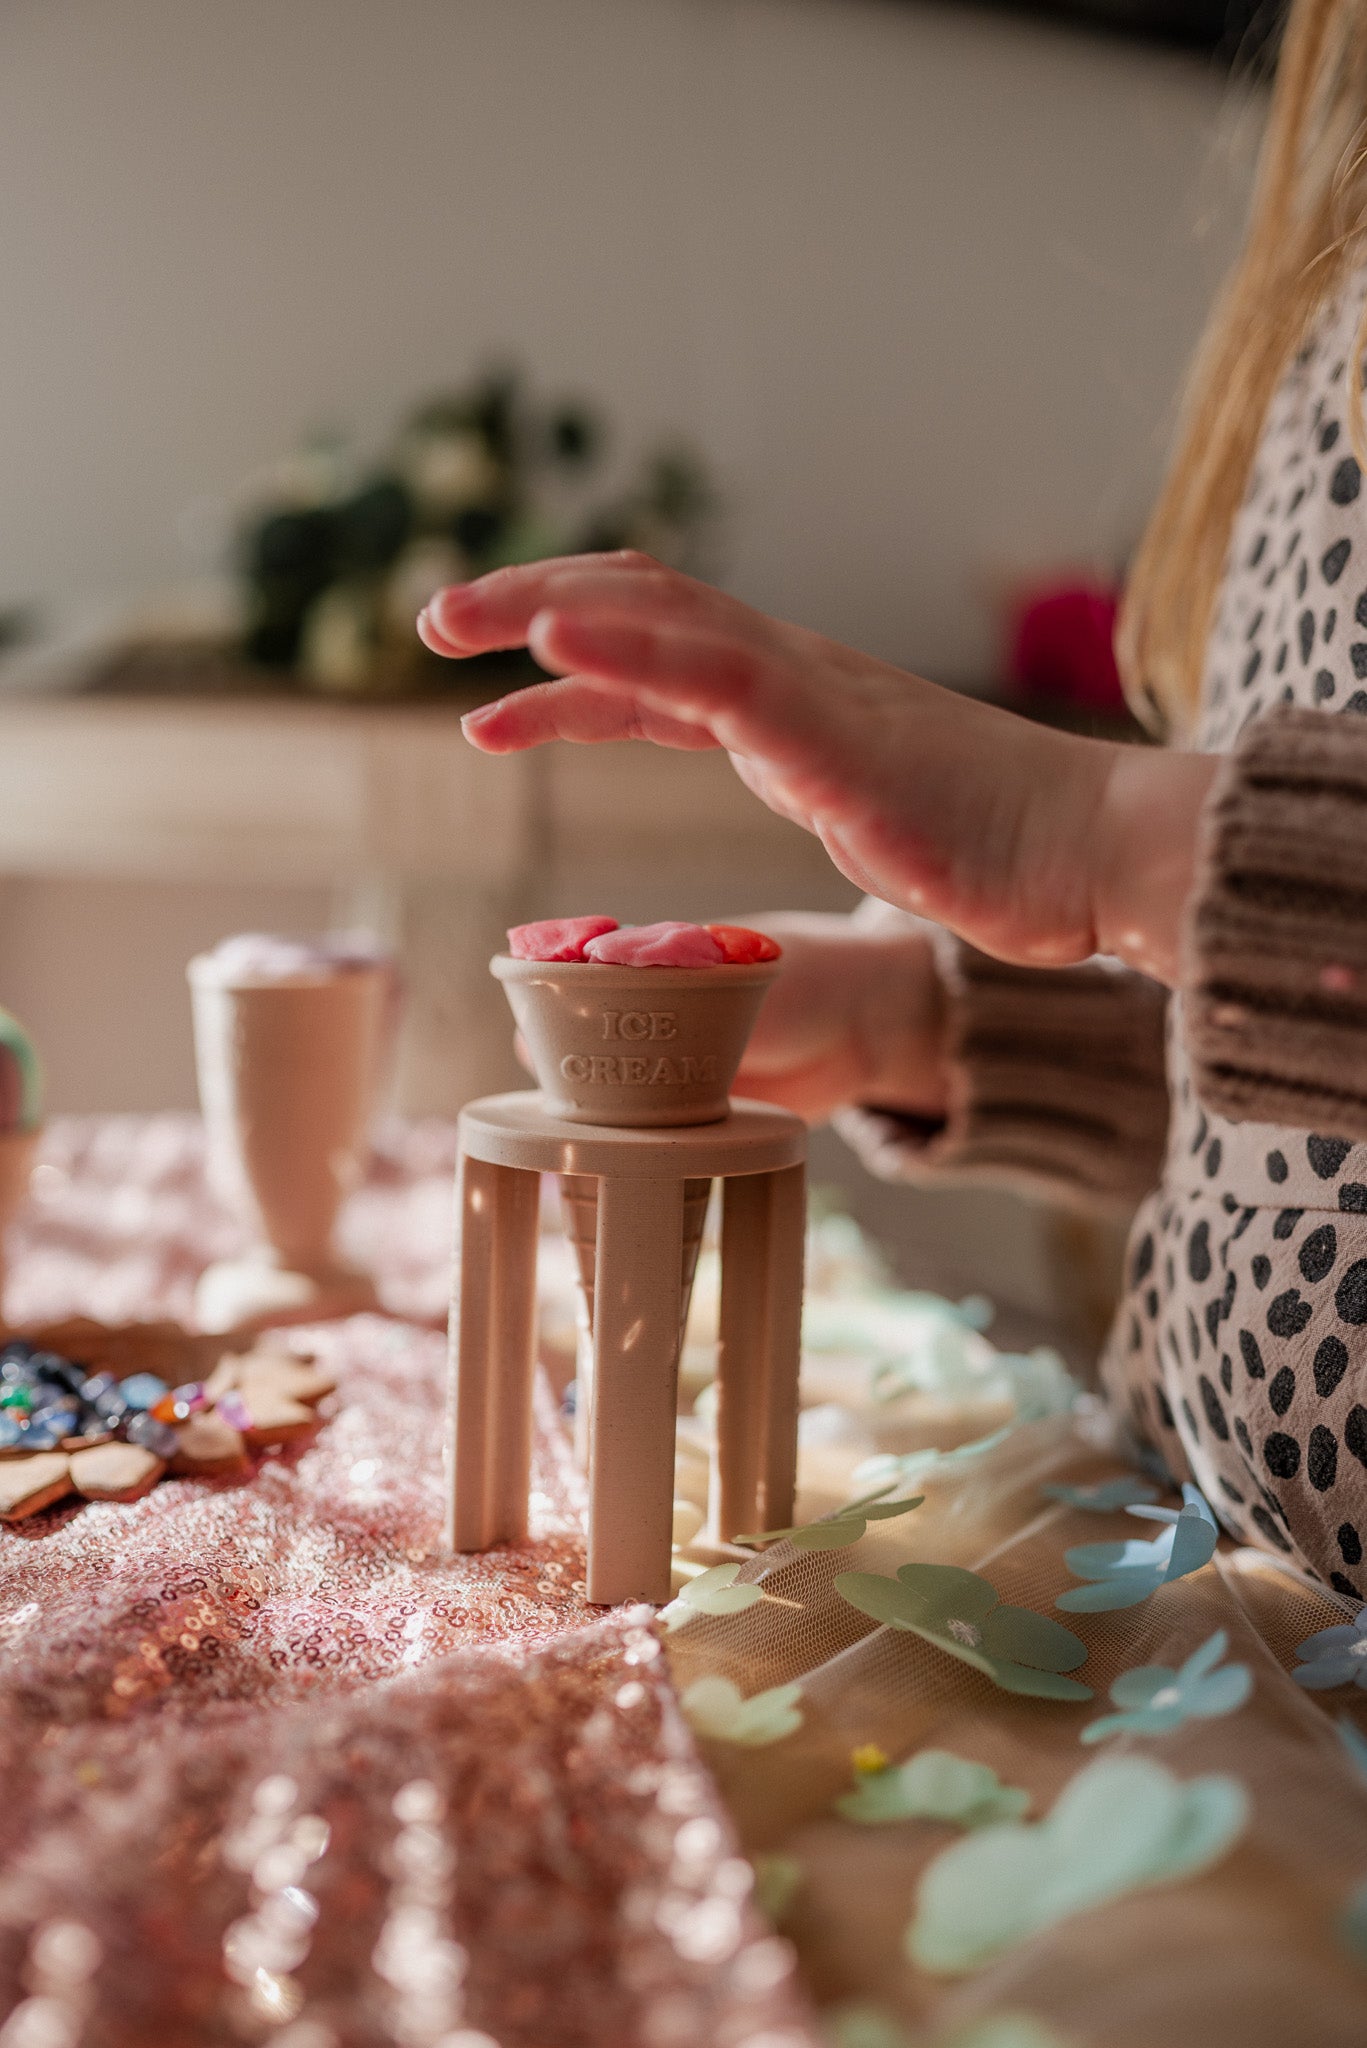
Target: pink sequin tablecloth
x,y
277,1770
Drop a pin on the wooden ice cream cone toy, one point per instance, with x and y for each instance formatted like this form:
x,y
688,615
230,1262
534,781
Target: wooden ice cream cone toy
x,y
633,1115
290,1062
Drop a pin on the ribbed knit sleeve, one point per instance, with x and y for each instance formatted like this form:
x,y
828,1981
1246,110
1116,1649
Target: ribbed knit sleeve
x,y
1275,974
1056,1083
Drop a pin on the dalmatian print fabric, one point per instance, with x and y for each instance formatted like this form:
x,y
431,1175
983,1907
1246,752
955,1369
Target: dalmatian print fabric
x,y
1240,1354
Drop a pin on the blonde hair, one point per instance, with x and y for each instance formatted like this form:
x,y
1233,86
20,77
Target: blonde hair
x,y
1308,219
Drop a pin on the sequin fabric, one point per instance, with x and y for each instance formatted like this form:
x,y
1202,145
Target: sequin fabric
x,y
275,1769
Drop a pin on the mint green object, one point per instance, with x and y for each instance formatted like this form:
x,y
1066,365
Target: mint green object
x,y
934,1785
778,1880
712,1592
1154,1699
1121,1825
1334,1656
1104,1499
844,1527
715,1707
17,1042
1019,1650
1352,1926
1126,1573
1036,1383
863,2026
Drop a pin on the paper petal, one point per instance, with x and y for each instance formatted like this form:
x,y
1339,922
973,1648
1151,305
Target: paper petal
x,y
1136,1688
1021,1636
1193,1544
948,1592
1109,1594
1205,1658
1223,1692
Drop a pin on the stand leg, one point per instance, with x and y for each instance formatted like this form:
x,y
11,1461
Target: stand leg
x,y
493,1341
637,1302
762,1244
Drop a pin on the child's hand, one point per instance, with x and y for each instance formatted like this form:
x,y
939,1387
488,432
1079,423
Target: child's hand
x,y
1037,846
855,1017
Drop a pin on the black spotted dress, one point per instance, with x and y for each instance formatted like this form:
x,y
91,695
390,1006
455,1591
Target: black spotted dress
x,y
1239,1356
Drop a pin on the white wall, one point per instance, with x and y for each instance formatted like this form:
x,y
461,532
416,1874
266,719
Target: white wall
x,y
919,280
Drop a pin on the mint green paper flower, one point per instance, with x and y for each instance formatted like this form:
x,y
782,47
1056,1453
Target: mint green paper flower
x,y
1021,1651
712,1592
1106,1498
933,1785
715,1707
1003,2030
863,2026
845,1526
1154,1699
1355,1745
1126,1573
1120,1825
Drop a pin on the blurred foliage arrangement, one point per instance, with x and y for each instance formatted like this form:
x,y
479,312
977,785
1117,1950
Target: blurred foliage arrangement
x,y
338,562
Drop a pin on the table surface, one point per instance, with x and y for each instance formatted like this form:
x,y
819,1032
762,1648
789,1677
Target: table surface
x,y
279,1755
278,1769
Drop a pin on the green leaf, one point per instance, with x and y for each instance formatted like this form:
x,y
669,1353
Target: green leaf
x,y
1121,1824
715,1707
934,1785
948,1592
1021,1636
1038,1685
882,1598
846,1526
712,1592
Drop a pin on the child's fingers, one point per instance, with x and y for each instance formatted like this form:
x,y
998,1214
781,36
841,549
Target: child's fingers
x,y
571,708
745,694
495,611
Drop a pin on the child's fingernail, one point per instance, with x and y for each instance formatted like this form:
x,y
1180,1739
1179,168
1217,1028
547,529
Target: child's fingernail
x,y
446,602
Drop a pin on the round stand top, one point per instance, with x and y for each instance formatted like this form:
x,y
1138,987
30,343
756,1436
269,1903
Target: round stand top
x,y
516,1130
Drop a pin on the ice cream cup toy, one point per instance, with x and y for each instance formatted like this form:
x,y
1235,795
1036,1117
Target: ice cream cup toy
x,y
645,1046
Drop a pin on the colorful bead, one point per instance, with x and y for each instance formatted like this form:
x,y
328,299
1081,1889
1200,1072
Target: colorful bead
x,y
181,1403
151,1435
143,1390
20,1399
234,1410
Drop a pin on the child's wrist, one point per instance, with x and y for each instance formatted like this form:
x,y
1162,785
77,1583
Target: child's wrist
x,y
1145,853
904,1025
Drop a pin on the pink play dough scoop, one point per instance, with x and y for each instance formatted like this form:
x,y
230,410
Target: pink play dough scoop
x,y
557,938
656,945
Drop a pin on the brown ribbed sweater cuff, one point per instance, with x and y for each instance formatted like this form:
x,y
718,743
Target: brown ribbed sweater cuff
x,y
1057,1083
1276,947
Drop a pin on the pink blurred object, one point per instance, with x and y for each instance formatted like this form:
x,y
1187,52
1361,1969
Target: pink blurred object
x,y
1060,646
656,945
557,938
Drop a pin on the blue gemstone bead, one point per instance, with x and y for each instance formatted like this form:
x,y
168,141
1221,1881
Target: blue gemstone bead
x,y
143,1390
44,1434
11,1431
